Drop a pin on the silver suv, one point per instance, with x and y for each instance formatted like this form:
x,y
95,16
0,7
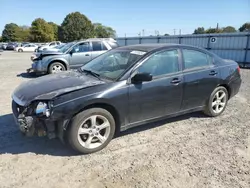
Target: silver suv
x,y
73,55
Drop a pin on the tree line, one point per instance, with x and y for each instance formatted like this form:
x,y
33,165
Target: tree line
x,y
229,29
75,26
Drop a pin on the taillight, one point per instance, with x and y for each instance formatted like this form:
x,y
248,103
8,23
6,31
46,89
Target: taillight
x,y
238,69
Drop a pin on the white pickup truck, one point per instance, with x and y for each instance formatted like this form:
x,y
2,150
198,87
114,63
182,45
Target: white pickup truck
x,y
48,45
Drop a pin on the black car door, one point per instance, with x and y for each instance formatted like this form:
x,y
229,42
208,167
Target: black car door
x,y
200,78
163,94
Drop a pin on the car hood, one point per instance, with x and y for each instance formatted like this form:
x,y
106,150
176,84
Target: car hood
x,y
50,52
50,86
42,54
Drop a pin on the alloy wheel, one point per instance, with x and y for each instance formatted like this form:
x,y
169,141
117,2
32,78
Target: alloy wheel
x,y
94,131
219,101
57,68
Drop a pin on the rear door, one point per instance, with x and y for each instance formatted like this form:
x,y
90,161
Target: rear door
x,y
200,78
27,48
32,47
98,47
80,55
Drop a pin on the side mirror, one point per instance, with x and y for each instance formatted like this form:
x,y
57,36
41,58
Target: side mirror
x,y
142,77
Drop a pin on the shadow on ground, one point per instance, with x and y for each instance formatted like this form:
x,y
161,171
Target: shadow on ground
x,y
13,142
27,75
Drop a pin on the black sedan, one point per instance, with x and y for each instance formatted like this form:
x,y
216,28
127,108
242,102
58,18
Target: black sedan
x,y
11,46
123,88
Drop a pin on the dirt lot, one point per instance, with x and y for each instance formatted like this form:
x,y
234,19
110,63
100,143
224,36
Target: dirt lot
x,y
188,151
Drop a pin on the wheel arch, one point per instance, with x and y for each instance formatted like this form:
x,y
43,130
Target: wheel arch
x,y
228,89
59,61
110,108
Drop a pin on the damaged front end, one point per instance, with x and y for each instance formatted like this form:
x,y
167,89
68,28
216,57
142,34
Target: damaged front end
x,y
34,118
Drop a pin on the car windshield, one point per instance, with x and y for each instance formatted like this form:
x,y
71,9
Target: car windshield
x,y
66,47
113,63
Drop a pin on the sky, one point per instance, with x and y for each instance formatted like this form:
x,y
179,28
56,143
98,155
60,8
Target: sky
x,y
131,17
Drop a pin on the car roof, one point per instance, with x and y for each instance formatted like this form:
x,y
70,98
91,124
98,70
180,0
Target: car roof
x,y
151,47
96,39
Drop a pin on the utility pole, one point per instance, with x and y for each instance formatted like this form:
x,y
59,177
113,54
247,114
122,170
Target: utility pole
x,y
157,33
174,31
125,35
180,32
143,32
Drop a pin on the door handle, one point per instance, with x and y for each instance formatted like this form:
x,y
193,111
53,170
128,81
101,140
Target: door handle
x,y
176,81
212,73
86,54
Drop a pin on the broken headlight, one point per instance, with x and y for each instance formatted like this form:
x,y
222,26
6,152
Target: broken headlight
x,y
43,109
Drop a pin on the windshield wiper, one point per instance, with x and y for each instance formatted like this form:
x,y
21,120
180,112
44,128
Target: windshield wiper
x,y
92,73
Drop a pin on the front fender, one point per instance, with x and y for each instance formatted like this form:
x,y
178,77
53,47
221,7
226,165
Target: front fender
x,y
47,62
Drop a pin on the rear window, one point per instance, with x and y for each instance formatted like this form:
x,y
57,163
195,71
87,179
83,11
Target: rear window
x,y
113,44
97,46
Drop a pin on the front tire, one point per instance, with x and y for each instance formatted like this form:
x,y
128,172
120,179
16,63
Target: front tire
x,y
56,67
20,50
217,102
91,130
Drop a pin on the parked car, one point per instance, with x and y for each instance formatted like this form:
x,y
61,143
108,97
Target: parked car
x,y
54,49
48,45
11,46
26,48
24,43
3,46
122,88
71,56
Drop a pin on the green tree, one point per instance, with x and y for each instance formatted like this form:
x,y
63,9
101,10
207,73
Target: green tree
x,y
199,30
166,34
24,33
10,32
55,28
41,31
214,30
245,27
229,29
76,26
1,39
102,31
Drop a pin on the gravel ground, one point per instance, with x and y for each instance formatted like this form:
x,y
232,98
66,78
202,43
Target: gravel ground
x,y
188,151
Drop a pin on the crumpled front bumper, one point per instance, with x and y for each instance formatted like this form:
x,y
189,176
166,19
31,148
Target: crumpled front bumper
x,y
31,125
36,66
25,124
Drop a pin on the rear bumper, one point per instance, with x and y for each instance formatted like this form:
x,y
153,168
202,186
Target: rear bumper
x,y
235,86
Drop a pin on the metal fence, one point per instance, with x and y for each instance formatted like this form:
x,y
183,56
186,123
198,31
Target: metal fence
x,y
235,46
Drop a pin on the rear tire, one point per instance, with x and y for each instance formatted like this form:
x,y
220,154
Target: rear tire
x,y
91,130
20,50
56,67
217,102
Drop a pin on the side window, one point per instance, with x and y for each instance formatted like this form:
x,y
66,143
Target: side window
x,y
113,44
97,46
104,46
58,43
52,44
82,47
194,59
161,63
